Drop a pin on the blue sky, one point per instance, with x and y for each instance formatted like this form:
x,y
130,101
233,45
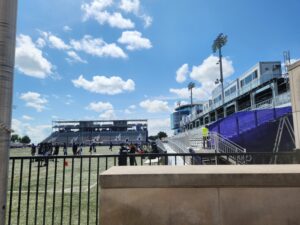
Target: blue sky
x,y
104,59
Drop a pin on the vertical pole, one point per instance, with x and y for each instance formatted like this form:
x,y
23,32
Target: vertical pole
x,y
221,75
8,14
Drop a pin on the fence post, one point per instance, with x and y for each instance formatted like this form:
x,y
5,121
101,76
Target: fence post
x,y
8,14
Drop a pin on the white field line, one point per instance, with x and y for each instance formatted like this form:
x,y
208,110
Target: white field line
x,y
84,189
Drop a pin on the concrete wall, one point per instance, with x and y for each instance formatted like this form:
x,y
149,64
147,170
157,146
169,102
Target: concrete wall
x,y
294,76
190,195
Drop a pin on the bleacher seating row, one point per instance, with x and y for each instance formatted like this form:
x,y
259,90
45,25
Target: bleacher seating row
x,y
105,138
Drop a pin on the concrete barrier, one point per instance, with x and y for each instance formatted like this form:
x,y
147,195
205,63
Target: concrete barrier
x,y
200,195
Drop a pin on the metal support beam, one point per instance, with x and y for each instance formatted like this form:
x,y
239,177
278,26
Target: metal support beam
x,y
8,15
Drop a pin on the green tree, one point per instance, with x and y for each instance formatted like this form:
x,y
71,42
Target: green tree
x,y
25,140
161,135
15,138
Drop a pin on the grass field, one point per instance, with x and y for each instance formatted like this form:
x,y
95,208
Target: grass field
x,y
49,202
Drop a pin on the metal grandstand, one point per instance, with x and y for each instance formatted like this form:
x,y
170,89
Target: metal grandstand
x,y
99,132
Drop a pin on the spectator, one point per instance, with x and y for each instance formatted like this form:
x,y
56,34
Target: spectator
x,y
65,149
132,151
205,136
33,150
123,155
56,149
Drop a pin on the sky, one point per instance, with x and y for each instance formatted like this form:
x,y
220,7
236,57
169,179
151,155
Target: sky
x,y
133,59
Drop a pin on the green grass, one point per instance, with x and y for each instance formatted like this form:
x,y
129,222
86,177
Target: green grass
x,y
60,210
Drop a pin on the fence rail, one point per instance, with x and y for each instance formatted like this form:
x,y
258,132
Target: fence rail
x,y
64,189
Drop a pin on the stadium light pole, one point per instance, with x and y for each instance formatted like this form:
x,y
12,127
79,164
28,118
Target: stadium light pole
x,y
220,42
191,85
8,18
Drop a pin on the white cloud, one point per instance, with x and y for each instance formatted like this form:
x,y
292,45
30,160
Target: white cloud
x,y
96,10
130,5
56,42
134,40
108,115
130,109
157,125
209,70
30,59
40,43
34,100
25,117
98,47
36,133
100,106
67,28
155,106
201,93
134,6
105,85
147,20
206,74
74,57
182,73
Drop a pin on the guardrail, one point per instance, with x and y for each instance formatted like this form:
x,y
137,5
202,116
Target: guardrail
x,y
64,189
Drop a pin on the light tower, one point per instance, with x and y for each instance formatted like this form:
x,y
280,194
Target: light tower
x,y
219,42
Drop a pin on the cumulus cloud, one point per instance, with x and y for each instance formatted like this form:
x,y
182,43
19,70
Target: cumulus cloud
x,y
108,115
36,133
40,43
97,10
130,5
182,73
134,40
206,74
30,60
209,70
134,6
155,106
67,28
34,100
98,47
56,42
157,125
74,57
200,93
25,117
105,85
130,109
100,106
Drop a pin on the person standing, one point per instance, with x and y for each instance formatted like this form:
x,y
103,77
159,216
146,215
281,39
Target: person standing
x,y
56,149
205,136
132,151
110,146
122,156
65,149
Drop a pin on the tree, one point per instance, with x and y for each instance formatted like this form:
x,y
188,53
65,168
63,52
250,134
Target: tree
x,y
15,138
161,135
25,140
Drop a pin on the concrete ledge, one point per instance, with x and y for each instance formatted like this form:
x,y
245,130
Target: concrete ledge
x,y
201,176
294,65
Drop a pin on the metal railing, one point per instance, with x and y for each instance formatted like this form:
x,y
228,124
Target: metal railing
x,y
65,189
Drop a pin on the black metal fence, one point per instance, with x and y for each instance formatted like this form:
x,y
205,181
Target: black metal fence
x,y
65,189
